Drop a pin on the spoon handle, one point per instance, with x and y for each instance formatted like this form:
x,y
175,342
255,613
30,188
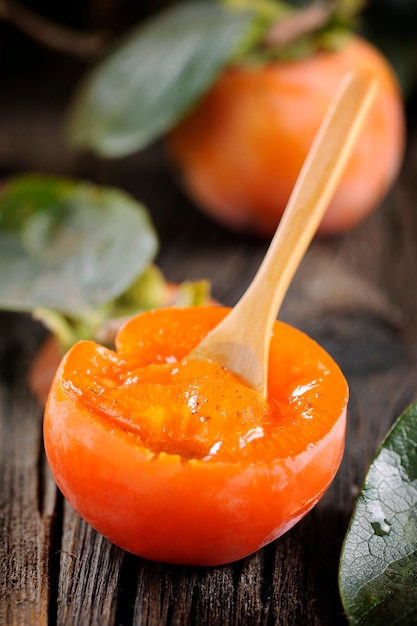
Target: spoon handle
x,y
241,341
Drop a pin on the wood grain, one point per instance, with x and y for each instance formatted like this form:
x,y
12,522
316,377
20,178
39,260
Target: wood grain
x,y
27,504
89,575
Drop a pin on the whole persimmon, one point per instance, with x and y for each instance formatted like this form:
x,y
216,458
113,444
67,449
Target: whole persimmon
x,y
240,150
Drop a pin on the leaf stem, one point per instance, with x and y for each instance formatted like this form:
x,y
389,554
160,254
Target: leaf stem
x,y
57,324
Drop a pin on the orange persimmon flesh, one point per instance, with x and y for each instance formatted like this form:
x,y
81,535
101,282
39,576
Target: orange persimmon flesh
x,y
180,461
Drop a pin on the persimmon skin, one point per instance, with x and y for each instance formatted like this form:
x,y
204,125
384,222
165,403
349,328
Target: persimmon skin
x,y
189,510
240,150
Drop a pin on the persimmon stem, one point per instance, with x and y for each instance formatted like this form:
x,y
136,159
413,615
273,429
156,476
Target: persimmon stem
x,y
297,24
308,20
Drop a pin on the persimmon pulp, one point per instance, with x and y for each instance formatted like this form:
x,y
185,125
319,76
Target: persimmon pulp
x,y
180,461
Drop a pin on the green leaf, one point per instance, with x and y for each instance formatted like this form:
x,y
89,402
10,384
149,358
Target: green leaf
x,y
378,567
69,246
153,77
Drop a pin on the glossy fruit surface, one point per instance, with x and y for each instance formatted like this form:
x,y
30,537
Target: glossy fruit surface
x,y
179,461
240,151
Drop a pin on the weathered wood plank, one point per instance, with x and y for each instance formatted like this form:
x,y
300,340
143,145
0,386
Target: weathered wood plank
x,y
88,577
27,504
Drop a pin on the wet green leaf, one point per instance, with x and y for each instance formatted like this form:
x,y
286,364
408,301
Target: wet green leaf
x,y
154,76
378,567
69,246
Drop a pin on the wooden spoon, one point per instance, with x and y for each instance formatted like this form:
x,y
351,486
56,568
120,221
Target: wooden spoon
x,y
241,341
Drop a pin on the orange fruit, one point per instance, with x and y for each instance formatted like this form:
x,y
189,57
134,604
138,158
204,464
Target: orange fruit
x,y
240,150
180,461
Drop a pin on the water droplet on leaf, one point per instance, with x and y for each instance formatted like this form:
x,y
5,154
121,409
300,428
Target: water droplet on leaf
x,y
381,527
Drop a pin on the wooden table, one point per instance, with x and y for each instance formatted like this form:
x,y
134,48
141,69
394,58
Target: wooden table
x,y
355,294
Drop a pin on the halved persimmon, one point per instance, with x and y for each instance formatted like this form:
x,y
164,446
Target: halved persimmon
x,y
180,461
